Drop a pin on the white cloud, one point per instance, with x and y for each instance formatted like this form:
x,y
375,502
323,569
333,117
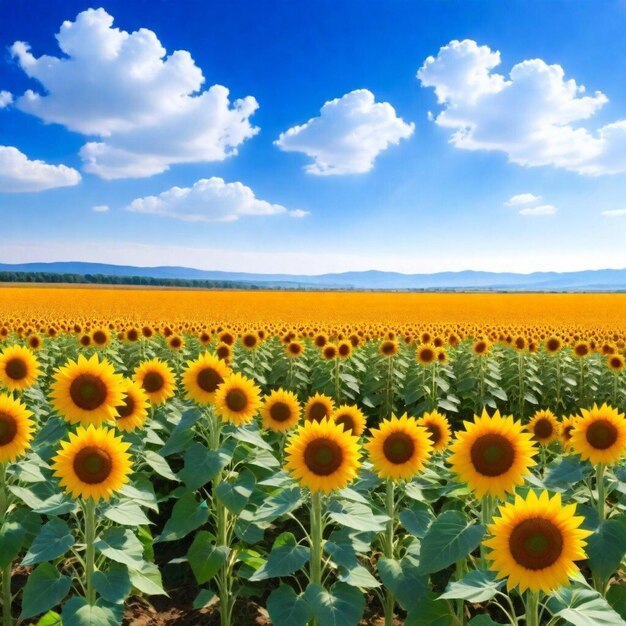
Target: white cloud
x,y
18,173
100,208
299,213
348,135
208,200
544,209
6,98
522,198
146,108
534,115
614,213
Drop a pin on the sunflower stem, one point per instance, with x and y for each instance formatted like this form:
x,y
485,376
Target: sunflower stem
x,y
600,486
315,571
7,599
460,603
90,553
388,548
486,513
532,608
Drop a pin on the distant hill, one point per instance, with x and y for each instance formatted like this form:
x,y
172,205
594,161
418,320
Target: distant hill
x,y
588,280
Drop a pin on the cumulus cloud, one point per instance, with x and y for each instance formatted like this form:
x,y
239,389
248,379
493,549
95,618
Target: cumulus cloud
x,y
6,98
348,135
207,200
614,213
534,115
299,213
18,173
146,108
100,208
544,209
522,198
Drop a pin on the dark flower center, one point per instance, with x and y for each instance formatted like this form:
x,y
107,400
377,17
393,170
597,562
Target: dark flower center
x,y
398,448
93,465
492,455
16,369
8,428
280,411
317,412
208,379
543,428
536,543
434,432
153,382
88,392
126,409
236,400
601,434
346,421
323,456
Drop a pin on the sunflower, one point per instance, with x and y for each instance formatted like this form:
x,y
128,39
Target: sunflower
x,y
492,455
133,413
322,456
553,344
535,542
615,362
94,463
280,411
600,435
438,429
16,427
34,342
294,349
318,407
202,377
101,337
176,343
19,368
250,340
399,448
566,427
351,418
87,391
389,347
237,399
157,379
581,349
224,352
426,354
344,349
481,347
544,427
329,352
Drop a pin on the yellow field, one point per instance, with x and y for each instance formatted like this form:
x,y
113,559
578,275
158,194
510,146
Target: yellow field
x,y
588,311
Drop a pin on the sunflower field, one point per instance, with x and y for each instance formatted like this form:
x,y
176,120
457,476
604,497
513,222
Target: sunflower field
x,y
312,470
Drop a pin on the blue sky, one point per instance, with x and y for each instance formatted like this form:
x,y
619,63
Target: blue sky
x,y
438,114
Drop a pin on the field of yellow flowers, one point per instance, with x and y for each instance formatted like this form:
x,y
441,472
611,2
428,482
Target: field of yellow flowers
x,y
186,457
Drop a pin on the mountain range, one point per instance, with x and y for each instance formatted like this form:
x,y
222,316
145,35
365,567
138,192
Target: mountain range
x,y
587,280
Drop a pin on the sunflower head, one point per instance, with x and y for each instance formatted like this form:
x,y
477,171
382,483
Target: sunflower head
x,y
492,455
599,436
157,380
87,391
322,456
294,349
237,399
553,344
100,337
280,411
565,430
615,362
481,347
535,542
426,354
16,428
350,417
544,427
318,407
19,368
438,429
399,448
388,347
202,377
94,463
132,414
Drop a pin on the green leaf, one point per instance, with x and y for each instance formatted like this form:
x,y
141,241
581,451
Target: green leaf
x,y
236,494
202,465
606,547
250,434
205,598
404,580
44,588
483,620
341,606
288,609
77,612
279,504
53,540
205,558
356,515
126,513
187,515
450,538
51,618
582,606
417,519
475,586
286,557
12,537
358,576
113,584
42,498
147,578
616,597
159,465
120,545
568,472
428,611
